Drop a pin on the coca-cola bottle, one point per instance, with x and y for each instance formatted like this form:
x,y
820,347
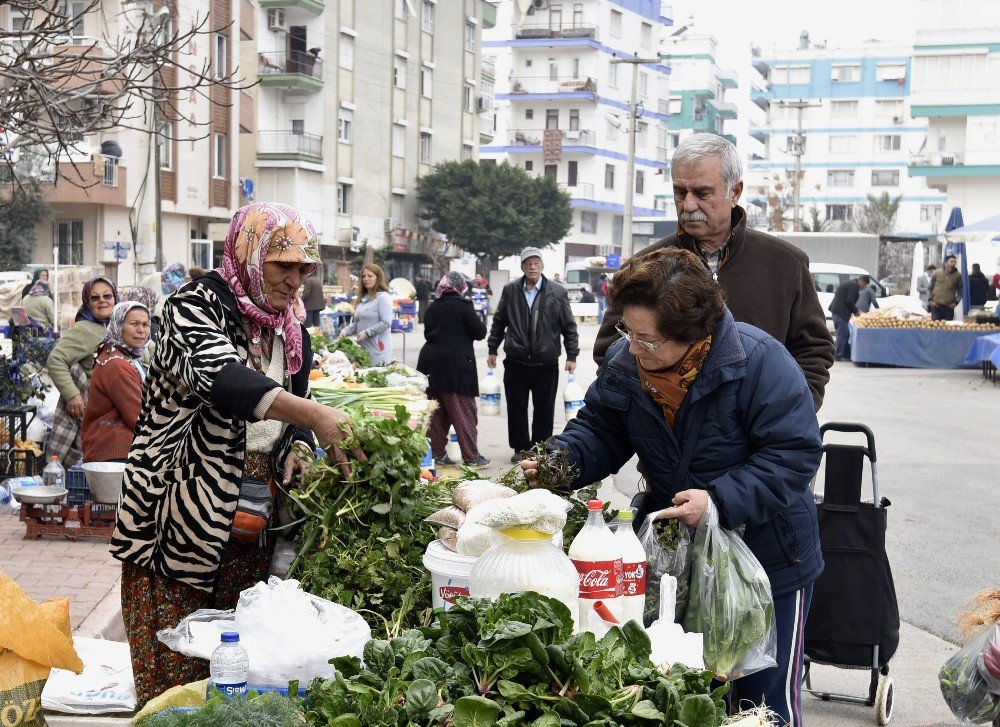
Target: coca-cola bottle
x,y
597,556
633,568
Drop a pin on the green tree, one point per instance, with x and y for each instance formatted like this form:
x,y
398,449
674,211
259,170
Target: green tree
x,y
877,216
494,210
22,207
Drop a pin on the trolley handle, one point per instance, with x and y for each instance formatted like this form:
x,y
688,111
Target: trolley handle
x,y
851,428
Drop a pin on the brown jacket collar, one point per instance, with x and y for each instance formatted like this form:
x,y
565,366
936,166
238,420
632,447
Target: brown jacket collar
x,y
737,234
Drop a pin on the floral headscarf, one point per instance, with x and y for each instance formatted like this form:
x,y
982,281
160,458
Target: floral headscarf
x,y
40,287
113,337
84,313
451,283
142,294
173,278
260,233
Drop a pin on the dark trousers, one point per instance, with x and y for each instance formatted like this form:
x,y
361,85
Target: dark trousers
x,y
943,313
843,346
780,687
312,318
422,309
540,382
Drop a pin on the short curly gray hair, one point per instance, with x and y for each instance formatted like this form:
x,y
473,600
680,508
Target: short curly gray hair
x,y
706,144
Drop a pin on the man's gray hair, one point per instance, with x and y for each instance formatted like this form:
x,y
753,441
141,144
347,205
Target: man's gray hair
x,y
706,144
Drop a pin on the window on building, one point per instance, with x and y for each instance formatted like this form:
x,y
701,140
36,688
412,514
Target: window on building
x,y
930,213
646,35
613,75
643,82
553,69
675,140
396,212
405,10
427,21
201,253
843,143
69,237
617,225
165,140
588,223
574,119
609,176
466,152
110,171
572,169
840,178
555,18
640,181
469,97
847,73
425,147
551,118
344,193
398,140
345,126
220,169
346,52
885,177
838,212
843,109
74,12
616,24
577,15
426,82
221,56
889,108
942,140
575,64
399,72
890,72
782,75
551,170
887,142
529,166
298,126
470,37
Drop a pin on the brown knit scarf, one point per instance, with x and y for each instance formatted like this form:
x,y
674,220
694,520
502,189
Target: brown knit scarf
x,y
668,388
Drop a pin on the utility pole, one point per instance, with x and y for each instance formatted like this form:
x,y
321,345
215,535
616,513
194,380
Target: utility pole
x,y
633,118
797,150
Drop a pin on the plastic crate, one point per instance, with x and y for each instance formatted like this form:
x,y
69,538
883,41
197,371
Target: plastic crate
x,y
408,309
76,484
399,326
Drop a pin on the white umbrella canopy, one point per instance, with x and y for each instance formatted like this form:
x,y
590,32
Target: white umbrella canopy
x,y
918,268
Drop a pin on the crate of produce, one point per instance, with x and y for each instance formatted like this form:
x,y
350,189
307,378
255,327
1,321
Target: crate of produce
x,y
404,326
76,484
407,307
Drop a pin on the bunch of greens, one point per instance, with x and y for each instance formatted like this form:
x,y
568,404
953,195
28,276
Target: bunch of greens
x,y
251,710
319,341
374,378
964,688
668,545
512,662
363,538
354,352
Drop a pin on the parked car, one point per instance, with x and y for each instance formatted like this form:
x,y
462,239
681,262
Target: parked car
x,y
827,277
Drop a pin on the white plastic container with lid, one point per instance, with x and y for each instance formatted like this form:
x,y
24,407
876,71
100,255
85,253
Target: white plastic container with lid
x,y
452,450
54,475
526,560
489,395
633,568
596,554
573,395
449,574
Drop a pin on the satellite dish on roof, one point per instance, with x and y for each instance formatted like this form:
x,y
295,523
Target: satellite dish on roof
x,y
111,148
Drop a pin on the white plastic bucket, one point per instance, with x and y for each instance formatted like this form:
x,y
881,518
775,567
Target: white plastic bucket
x,y
449,574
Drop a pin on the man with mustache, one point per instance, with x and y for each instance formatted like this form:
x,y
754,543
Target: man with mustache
x,y
766,280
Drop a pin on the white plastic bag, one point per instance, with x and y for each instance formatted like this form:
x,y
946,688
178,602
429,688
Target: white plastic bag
x,y
287,633
538,510
474,539
669,643
106,684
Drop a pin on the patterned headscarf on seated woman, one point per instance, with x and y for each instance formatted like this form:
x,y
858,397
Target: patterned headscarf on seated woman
x,y
84,313
260,233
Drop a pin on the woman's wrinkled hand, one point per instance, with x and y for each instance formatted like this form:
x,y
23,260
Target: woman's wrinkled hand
x,y
76,408
295,465
530,469
332,428
689,507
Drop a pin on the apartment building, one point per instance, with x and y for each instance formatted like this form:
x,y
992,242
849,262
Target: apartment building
x,y
356,100
858,130
561,108
956,94
115,182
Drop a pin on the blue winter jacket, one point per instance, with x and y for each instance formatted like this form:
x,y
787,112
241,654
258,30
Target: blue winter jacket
x,y
758,445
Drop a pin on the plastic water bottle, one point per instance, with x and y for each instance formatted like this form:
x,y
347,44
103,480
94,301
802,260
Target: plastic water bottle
x,y
489,395
633,568
427,463
229,666
54,475
452,450
572,397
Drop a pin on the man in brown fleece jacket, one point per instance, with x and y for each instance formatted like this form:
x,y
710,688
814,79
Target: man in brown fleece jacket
x,y
766,280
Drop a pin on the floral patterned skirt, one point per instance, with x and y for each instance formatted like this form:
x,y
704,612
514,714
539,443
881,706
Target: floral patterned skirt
x,y
152,602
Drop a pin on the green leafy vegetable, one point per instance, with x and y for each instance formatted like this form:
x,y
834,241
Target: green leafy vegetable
x,y
252,710
354,352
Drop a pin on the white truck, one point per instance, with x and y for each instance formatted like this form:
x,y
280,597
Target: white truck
x,y
585,272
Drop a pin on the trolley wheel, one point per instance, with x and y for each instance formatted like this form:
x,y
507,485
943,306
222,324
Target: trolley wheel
x,y
884,700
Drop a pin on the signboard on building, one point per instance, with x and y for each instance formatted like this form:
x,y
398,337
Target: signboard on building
x,y
552,146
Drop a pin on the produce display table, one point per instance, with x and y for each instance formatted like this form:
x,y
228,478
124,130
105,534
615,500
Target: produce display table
x,y
986,350
89,520
923,348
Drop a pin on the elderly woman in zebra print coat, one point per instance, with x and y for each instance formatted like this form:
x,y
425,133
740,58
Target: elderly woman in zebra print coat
x,y
226,403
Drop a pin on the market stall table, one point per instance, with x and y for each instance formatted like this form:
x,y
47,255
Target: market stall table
x,y
986,350
925,348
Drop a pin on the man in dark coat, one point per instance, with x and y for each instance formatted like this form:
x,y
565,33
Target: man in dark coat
x,y
979,287
532,315
842,307
766,280
424,288
313,298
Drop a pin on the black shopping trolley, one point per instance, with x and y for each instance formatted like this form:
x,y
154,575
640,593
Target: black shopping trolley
x,y
854,618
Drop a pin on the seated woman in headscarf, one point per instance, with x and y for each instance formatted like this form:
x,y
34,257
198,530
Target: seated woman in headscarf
x,y
149,298
38,305
70,365
116,385
225,415
39,274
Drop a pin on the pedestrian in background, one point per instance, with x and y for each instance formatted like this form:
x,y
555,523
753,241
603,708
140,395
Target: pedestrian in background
x,y
372,315
867,299
533,314
423,288
946,291
924,285
38,306
313,298
979,287
601,294
843,306
449,361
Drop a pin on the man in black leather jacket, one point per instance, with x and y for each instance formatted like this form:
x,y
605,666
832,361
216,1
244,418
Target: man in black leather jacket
x,y
532,315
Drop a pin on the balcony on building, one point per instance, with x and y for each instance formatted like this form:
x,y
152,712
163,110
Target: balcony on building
x,y
580,190
758,133
313,7
294,71
760,97
532,138
724,109
727,78
489,13
937,167
289,146
487,130
488,69
102,180
562,34
532,88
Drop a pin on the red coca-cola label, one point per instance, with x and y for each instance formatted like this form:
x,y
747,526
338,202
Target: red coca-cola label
x,y
599,579
450,593
634,579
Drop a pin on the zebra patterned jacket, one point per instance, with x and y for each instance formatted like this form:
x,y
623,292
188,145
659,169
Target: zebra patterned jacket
x,y
182,480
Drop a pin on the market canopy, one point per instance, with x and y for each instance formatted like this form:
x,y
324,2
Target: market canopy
x,y
957,247
988,229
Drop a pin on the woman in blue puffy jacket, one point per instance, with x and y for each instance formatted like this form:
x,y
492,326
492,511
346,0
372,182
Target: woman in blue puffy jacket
x,y
687,385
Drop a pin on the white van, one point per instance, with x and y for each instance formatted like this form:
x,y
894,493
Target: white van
x,y
827,277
